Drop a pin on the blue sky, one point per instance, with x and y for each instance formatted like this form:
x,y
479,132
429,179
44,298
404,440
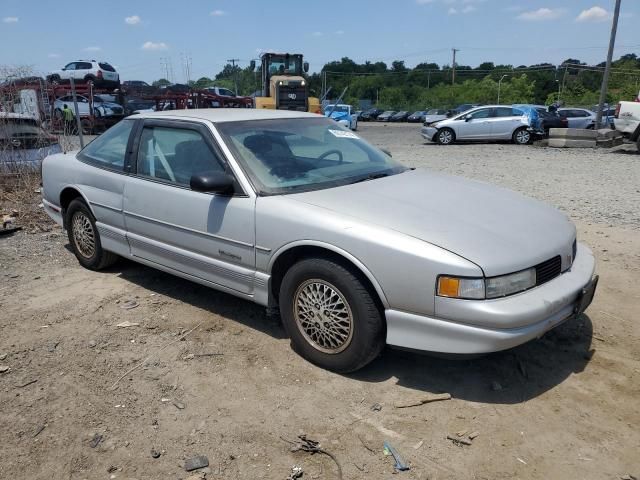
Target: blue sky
x,y
134,35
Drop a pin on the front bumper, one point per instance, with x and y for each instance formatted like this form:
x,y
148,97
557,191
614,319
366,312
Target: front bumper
x,y
428,133
483,326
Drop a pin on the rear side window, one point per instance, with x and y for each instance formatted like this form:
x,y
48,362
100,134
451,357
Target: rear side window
x,y
504,112
109,149
107,67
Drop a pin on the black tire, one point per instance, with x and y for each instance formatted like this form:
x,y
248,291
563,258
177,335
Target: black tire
x,y
522,136
365,334
90,78
445,136
95,258
54,78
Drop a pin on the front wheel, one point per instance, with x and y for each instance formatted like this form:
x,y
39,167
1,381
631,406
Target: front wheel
x,y
330,315
85,239
445,136
521,136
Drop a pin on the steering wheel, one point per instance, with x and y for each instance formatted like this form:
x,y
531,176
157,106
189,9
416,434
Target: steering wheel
x,y
331,152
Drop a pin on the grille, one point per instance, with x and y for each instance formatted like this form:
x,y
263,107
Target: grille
x,y
292,97
548,270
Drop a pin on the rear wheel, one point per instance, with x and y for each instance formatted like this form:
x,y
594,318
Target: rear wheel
x,y
522,136
330,315
445,136
54,78
85,239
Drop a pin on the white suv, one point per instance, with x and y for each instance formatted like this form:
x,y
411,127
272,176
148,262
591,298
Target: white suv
x,y
82,71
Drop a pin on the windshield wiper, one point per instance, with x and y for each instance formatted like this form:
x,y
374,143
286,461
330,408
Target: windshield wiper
x,y
373,176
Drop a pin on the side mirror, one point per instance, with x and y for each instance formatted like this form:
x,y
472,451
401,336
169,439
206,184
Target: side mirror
x,y
305,67
388,152
468,118
252,65
212,182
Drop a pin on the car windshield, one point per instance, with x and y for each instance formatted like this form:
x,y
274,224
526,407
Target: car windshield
x,y
433,112
283,156
104,98
336,108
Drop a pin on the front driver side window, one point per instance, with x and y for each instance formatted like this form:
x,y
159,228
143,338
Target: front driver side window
x,y
175,154
484,113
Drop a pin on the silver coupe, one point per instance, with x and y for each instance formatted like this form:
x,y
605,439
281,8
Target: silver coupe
x,y
292,211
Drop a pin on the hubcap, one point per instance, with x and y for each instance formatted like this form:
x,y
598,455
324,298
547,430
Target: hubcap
x,y
83,235
522,136
323,316
445,137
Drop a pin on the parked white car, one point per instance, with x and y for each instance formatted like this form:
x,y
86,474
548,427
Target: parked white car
x,y
490,122
342,114
627,120
84,71
578,117
102,106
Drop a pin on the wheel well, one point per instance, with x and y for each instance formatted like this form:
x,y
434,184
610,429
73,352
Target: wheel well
x,y
287,259
66,197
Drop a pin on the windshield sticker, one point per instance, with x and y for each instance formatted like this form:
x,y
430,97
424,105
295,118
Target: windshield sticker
x,y
343,134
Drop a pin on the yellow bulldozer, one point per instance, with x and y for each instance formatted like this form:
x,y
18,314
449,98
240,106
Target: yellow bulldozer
x,y
283,84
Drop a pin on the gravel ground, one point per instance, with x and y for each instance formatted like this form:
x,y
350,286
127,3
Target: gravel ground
x,y
593,185
563,406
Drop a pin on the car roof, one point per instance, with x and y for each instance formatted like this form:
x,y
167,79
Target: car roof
x,y
216,115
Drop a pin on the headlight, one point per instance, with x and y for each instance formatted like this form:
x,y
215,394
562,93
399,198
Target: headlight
x,y
302,83
512,283
481,288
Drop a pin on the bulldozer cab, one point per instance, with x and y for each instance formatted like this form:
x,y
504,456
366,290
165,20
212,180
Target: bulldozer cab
x,y
281,65
283,84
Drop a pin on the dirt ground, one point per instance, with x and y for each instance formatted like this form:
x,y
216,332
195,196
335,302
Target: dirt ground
x,y
218,377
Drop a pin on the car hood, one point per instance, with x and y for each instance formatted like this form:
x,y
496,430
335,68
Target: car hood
x,y
434,118
499,230
338,115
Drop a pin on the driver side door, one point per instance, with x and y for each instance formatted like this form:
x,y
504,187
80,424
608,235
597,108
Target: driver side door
x,y
204,235
475,125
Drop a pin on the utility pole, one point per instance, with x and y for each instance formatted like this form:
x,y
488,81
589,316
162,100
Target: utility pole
x,y
605,79
233,61
453,65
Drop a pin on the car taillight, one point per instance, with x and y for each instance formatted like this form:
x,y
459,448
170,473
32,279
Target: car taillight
x,y
99,73
617,110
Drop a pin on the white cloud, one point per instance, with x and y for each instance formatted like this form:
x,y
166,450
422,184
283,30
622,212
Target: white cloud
x,y
54,55
154,46
593,14
452,11
541,14
132,20
10,20
317,34
469,9
92,49
218,13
